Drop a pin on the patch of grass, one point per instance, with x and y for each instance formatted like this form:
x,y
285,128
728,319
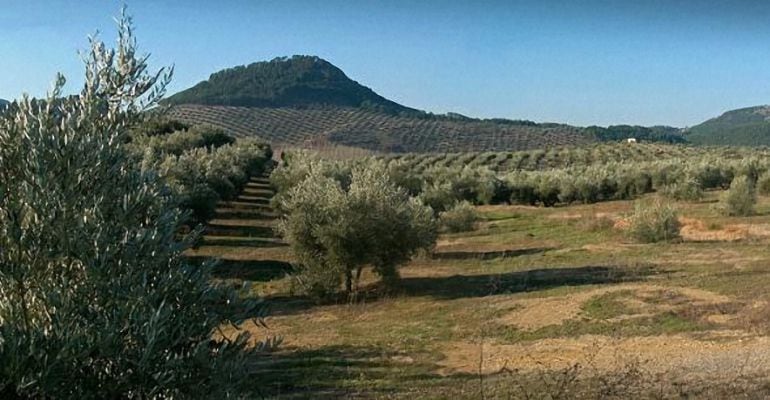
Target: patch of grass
x,y
499,215
665,323
592,222
608,305
714,226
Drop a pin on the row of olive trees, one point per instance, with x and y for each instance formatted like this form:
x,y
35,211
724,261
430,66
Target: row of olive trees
x,y
571,156
680,179
202,176
657,220
96,300
151,135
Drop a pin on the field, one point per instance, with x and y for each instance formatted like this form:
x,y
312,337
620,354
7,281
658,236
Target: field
x,y
534,303
321,127
563,157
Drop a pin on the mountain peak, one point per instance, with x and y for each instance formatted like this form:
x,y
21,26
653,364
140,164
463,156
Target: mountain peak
x,y
299,81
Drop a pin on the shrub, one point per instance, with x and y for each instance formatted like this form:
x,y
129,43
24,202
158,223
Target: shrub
x,y
96,300
654,221
200,177
593,222
688,189
461,217
159,126
740,199
763,184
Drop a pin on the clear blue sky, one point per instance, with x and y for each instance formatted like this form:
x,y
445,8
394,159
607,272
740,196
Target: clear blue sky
x,y
674,62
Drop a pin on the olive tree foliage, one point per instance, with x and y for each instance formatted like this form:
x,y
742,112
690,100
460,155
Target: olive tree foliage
x,y
654,221
462,217
335,231
95,298
741,198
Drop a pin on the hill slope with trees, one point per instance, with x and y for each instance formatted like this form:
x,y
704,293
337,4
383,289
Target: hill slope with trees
x,y
307,101
298,81
742,127
346,126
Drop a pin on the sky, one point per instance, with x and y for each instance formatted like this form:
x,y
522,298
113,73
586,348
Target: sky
x,y
582,62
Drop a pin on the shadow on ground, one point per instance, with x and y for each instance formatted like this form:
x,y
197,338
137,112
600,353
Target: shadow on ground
x,y
487,255
465,286
365,372
333,372
247,270
241,242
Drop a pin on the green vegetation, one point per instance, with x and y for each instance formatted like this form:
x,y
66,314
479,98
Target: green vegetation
x,y
96,300
335,231
443,180
740,199
653,222
203,176
462,217
306,101
325,127
103,293
298,81
621,132
688,189
609,305
495,310
763,183
564,157
180,140
742,127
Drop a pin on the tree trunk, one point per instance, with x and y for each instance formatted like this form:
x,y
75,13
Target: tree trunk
x,y
358,276
390,276
348,281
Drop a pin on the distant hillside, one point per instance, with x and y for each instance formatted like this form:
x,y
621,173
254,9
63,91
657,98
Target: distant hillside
x,y
743,127
666,134
298,81
4,103
307,101
378,131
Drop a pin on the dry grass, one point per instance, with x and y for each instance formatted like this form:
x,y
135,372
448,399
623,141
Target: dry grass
x,y
535,301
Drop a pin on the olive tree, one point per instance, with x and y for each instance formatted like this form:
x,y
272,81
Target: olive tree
x,y
336,231
96,300
741,198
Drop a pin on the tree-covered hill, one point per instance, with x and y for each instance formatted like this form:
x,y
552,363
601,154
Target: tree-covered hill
x,y
4,103
305,100
614,133
298,81
745,127
346,126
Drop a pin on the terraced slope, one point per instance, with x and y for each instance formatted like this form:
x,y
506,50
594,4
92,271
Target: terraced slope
x,y
241,235
562,157
377,131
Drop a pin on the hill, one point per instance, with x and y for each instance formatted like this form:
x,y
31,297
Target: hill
x,y
4,103
742,127
298,81
377,131
307,101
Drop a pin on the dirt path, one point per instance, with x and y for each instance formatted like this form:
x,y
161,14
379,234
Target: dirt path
x,y
242,229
